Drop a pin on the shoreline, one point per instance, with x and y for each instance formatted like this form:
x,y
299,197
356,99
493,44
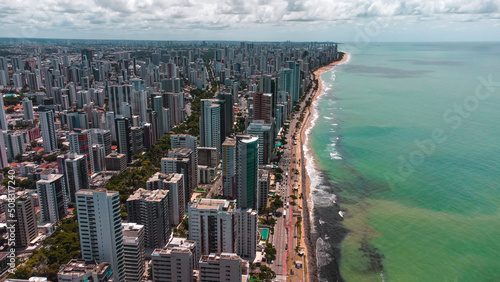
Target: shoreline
x,y
305,187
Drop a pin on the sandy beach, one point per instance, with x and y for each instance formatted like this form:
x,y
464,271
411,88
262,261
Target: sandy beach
x,y
304,188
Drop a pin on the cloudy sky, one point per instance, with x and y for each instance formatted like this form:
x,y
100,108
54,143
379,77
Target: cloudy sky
x,y
267,20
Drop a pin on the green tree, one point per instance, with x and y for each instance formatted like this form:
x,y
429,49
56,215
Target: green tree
x,y
51,158
27,184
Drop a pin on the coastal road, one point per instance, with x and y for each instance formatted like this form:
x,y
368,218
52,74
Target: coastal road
x,y
283,239
279,242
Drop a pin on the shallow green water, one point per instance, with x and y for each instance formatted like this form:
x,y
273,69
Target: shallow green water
x,y
415,152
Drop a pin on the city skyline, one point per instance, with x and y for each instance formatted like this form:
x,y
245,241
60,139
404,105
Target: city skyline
x,y
260,20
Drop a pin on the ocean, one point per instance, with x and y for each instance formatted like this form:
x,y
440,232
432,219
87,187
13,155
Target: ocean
x,y
404,160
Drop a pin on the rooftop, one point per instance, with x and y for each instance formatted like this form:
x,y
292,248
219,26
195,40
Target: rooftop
x,y
150,196
81,267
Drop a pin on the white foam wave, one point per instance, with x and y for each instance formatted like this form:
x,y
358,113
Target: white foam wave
x,y
325,198
346,60
335,156
322,256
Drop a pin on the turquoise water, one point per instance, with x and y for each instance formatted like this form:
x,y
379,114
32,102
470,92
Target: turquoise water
x,y
407,143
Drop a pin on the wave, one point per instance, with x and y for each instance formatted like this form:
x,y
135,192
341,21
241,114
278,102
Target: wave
x,y
320,195
322,256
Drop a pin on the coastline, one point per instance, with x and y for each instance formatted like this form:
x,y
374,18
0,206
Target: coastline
x,y
305,187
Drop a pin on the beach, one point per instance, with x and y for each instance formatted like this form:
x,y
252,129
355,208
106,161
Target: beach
x,y
304,188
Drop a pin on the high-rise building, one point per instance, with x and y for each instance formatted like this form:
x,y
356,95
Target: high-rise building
x,y
247,231
134,253
176,261
51,191
210,124
118,94
100,228
26,228
157,106
222,267
48,129
124,137
229,168
295,82
186,141
265,134
151,209
181,160
137,140
3,154
80,142
285,81
263,186
228,111
263,107
4,72
14,141
110,124
102,136
212,225
116,162
78,270
99,153
207,156
174,183
247,163
3,118
76,174
28,109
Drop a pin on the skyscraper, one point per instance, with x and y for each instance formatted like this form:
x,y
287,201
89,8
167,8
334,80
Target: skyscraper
x,y
3,119
263,186
181,160
265,134
124,137
263,107
157,105
28,109
26,228
51,191
100,228
246,171
3,154
14,141
151,209
76,174
48,129
186,141
174,183
176,261
210,124
212,225
228,108
134,253
246,235
118,94
295,82
229,167
80,142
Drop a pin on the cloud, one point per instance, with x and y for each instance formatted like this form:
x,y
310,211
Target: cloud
x,y
121,16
